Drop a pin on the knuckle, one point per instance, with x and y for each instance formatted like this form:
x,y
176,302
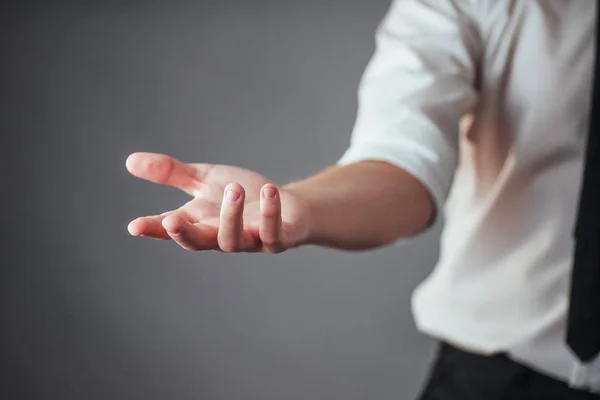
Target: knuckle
x,y
270,241
269,213
268,237
176,233
231,211
230,218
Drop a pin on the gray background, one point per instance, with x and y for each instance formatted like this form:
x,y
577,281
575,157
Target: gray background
x,y
88,312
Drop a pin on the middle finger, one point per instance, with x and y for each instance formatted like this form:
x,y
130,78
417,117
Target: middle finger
x,y
230,235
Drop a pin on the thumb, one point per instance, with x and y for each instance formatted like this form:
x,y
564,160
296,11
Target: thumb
x,y
165,170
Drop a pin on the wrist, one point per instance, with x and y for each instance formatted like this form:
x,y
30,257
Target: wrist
x,y
305,217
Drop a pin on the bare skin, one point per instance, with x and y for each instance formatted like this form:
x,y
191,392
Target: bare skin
x,y
360,206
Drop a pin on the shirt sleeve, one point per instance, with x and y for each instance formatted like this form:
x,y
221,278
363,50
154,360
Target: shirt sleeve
x,y
420,81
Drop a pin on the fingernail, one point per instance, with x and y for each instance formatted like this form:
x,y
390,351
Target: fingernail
x,y
269,192
232,195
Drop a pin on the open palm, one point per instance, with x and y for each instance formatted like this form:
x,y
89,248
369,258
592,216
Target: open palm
x,y
233,209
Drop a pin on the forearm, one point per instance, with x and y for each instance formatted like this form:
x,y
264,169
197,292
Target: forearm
x,y
364,205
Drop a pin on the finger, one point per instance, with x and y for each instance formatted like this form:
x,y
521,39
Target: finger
x,y
151,226
230,237
270,219
160,168
188,235
148,227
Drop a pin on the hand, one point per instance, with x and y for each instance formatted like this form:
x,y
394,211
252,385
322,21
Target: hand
x,y
233,209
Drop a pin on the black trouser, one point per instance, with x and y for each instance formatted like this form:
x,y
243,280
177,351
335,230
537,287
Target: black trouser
x,y
458,375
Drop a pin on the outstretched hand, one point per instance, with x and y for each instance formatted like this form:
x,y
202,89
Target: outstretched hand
x,y
233,209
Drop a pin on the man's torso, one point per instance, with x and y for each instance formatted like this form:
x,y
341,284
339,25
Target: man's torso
x,y
503,276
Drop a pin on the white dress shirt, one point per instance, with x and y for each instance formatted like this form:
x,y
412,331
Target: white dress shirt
x,y
507,187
